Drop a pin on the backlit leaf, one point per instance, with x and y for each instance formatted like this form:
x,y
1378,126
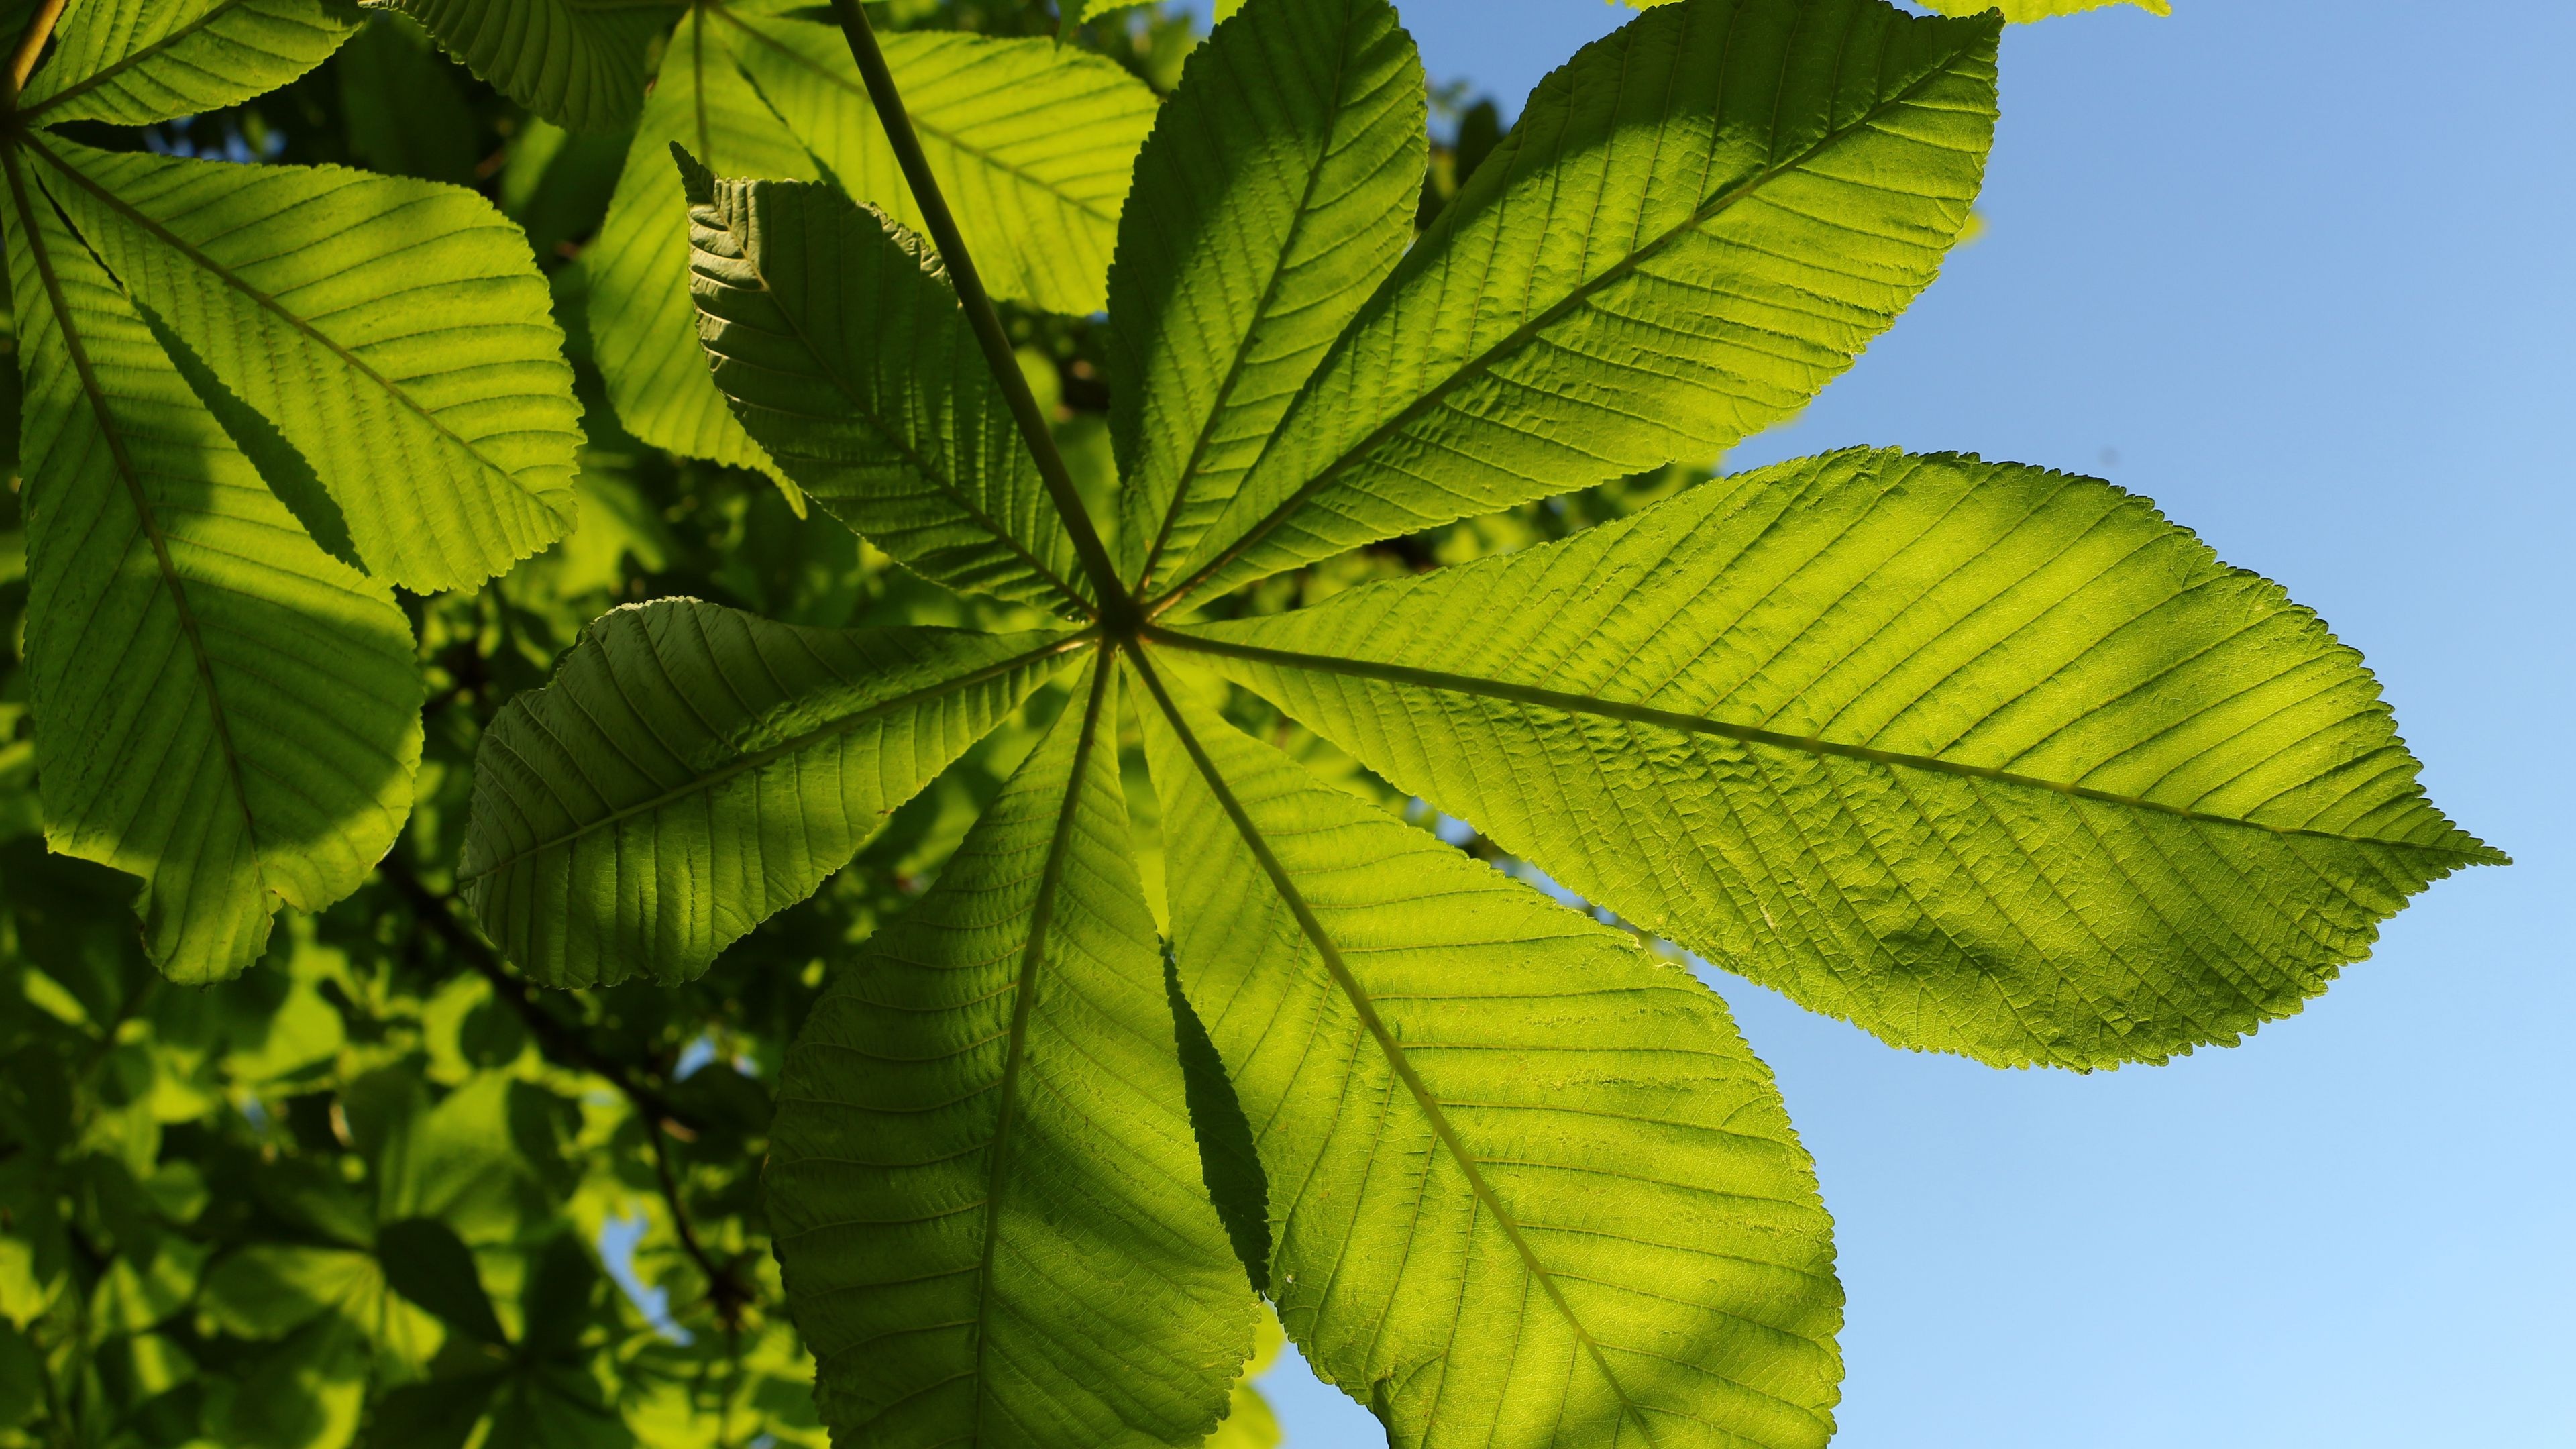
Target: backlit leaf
x,y
843,349
133,62
1273,195
220,707
1695,225
983,1181
692,769
394,331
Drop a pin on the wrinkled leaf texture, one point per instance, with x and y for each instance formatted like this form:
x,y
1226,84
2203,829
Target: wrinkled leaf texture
x,y
1990,759
256,395
1032,145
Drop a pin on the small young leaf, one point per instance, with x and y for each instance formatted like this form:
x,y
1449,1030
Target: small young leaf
x,y
1525,1178
643,330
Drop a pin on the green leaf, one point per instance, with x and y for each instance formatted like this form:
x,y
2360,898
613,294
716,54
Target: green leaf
x,y
1696,224
643,329
692,770
578,63
396,332
982,1179
1273,195
1032,143
1985,758
1249,1423
220,708
1527,1182
428,1264
405,113
842,348
133,62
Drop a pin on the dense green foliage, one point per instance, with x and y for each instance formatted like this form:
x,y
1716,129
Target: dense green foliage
x,y
962,769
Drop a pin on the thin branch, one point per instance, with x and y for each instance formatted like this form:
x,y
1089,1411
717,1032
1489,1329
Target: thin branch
x,y
556,1037
1116,609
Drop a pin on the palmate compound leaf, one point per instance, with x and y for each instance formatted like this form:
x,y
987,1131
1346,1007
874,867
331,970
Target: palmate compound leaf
x,y
1527,1185
578,63
1032,143
1696,224
1985,758
982,1179
1273,195
1032,146
133,62
395,332
693,769
220,707
841,347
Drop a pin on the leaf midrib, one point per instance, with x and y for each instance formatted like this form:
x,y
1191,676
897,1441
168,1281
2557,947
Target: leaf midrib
x,y
144,512
1476,367
1023,1005
134,216
945,136
102,77
1489,688
783,748
897,441
1365,1007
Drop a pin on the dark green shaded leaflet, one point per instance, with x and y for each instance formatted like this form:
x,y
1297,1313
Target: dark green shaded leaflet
x,y
984,1186
692,770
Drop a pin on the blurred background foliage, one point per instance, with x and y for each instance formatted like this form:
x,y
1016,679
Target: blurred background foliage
x,y
380,1190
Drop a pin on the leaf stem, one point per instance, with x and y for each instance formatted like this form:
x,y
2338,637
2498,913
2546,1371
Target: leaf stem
x,y
39,30
1118,610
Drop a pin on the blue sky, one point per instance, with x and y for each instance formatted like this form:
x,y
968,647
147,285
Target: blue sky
x,y
2302,274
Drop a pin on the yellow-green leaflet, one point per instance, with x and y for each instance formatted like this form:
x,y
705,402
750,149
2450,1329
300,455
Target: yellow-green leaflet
x,y
1268,203
841,349
221,708
394,331
983,1180
1985,758
579,63
131,62
1523,1175
642,329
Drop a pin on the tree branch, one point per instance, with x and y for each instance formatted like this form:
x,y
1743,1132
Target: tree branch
x,y
1116,608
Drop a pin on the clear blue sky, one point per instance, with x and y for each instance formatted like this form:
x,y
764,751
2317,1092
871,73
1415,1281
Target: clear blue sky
x,y
2305,274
